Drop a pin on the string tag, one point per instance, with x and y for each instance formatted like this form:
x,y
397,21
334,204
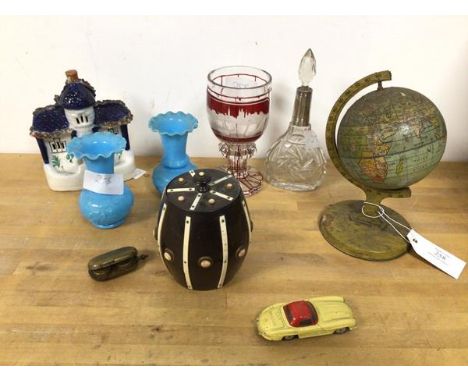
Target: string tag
x,y
437,256
109,184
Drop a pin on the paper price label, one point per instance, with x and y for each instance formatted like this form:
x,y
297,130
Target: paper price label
x,y
109,184
437,256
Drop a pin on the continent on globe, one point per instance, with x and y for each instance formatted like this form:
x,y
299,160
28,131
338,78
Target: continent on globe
x,y
391,138
375,168
373,163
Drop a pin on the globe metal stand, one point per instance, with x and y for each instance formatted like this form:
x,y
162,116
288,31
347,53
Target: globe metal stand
x,y
345,227
343,224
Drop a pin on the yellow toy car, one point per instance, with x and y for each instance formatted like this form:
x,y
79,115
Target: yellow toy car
x,y
312,317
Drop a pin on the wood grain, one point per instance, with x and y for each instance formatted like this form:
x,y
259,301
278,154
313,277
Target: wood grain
x,y
52,312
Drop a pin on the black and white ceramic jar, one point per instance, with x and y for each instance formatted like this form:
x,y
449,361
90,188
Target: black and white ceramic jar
x,y
203,229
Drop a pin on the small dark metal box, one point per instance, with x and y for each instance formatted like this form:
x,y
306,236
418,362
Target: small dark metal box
x,y
114,263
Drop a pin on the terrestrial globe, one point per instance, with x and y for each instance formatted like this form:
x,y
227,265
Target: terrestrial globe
x,y
387,140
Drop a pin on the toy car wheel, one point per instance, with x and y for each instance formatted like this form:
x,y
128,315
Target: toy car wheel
x,y
341,331
289,338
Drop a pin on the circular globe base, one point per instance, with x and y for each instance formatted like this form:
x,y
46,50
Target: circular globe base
x,y
345,227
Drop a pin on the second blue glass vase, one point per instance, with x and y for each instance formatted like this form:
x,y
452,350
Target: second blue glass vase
x,y
174,128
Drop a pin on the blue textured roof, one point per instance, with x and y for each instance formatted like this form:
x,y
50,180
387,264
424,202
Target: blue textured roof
x,y
77,95
112,113
49,119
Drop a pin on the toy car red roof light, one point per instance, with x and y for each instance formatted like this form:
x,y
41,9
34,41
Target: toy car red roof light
x,y
300,313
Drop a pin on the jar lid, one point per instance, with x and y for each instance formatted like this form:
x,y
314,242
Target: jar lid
x,y
202,190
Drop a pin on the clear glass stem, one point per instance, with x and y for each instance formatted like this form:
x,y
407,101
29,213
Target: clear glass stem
x,y
237,156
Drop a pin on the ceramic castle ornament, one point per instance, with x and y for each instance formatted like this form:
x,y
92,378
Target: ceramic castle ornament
x,y
77,113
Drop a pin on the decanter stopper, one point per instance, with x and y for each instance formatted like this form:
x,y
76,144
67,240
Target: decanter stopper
x,y
307,70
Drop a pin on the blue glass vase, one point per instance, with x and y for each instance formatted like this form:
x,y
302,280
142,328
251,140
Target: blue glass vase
x,y
173,128
98,150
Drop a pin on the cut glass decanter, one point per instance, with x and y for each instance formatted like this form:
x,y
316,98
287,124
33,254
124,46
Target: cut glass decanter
x,y
296,161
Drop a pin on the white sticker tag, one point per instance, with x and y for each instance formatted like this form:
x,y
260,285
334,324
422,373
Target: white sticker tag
x,y
138,173
109,184
437,256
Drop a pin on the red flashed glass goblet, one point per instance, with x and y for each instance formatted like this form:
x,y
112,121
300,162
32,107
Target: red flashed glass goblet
x,y
238,102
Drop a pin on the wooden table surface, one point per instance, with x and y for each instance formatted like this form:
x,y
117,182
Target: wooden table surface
x,y
52,312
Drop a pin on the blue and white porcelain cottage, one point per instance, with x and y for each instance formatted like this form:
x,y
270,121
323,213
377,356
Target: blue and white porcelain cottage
x,y
77,113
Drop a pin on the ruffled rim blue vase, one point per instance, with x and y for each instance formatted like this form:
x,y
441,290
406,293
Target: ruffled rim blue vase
x,y
173,128
98,150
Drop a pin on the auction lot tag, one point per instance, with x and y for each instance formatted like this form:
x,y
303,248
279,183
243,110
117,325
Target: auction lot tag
x,y
437,256
109,184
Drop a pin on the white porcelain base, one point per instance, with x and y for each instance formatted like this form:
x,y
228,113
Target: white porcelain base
x,y
126,165
74,181
64,181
